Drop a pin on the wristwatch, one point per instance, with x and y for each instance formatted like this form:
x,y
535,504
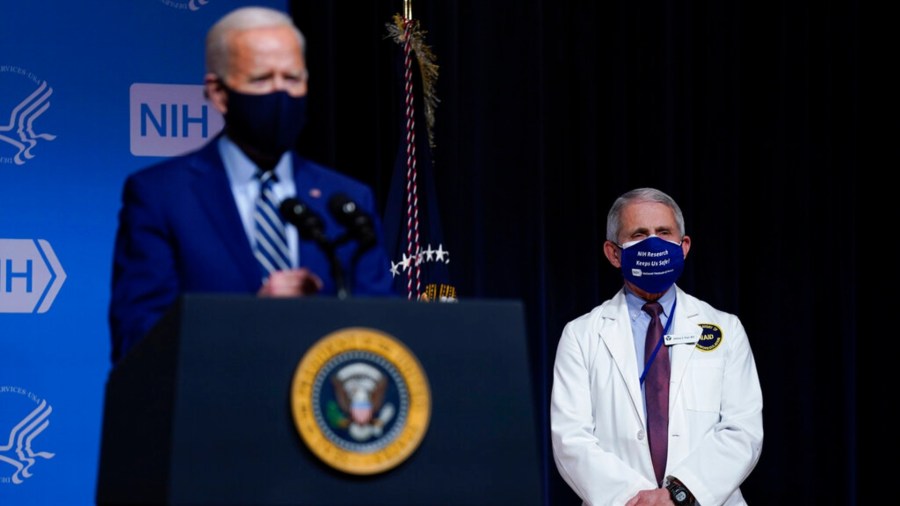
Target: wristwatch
x,y
681,496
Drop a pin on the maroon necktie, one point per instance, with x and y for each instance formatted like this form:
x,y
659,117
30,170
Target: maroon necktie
x,y
656,391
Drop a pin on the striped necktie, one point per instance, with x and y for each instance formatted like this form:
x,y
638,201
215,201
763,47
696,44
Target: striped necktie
x,y
271,240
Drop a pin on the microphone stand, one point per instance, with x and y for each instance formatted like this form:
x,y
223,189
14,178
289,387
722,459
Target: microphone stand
x,y
359,227
310,227
343,292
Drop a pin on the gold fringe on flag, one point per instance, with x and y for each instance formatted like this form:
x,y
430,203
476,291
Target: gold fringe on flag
x,y
428,69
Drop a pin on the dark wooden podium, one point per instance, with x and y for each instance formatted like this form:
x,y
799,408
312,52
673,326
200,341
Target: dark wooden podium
x,y
200,411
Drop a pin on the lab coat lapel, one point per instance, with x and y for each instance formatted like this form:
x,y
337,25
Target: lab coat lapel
x,y
617,335
686,314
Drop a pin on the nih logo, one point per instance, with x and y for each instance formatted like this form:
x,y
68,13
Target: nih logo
x,y
170,119
30,276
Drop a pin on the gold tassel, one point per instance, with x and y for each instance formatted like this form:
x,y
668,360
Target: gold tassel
x,y
428,69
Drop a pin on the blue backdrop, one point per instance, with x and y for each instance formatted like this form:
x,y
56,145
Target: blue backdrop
x,y
90,91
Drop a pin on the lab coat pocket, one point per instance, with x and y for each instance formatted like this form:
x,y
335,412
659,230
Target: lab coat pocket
x,y
703,385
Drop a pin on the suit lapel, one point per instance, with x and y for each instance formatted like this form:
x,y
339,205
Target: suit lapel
x,y
213,190
308,184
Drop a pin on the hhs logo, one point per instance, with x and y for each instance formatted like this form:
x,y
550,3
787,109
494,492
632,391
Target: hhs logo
x,y
30,276
170,119
25,416
24,101
193,5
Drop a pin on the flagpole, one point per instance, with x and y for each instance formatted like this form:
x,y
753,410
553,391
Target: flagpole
x,y
406,182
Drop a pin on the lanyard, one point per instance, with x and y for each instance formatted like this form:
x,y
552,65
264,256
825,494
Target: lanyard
x,y
659,343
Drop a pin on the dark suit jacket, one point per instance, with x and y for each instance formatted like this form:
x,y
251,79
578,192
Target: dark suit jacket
x,y
180,231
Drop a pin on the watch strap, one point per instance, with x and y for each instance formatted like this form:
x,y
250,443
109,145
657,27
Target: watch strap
x,y
680,494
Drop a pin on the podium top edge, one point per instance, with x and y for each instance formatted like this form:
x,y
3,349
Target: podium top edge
x,y
237,297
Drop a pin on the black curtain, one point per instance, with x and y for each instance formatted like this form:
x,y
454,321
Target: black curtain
x,y
745,112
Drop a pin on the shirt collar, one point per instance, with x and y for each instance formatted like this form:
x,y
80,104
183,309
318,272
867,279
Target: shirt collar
x,y
241,170
636,304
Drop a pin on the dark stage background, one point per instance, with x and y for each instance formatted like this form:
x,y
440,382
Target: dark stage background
x,y
745,112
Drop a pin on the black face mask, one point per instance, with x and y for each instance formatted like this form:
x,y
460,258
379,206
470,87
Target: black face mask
x,y
268,124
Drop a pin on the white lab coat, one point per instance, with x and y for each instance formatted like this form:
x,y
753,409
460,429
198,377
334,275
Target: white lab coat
x,y
597,420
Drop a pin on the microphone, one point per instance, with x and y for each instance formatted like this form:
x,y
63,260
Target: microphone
x,y
358,223
311,227
308,223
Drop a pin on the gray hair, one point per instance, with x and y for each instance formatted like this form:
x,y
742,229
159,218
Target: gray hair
x,y
614,218
244,18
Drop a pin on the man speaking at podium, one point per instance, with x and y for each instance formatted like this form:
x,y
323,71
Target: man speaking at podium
x,y
210,221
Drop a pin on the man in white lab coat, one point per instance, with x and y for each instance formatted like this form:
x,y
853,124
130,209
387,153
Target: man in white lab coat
x,y
598,412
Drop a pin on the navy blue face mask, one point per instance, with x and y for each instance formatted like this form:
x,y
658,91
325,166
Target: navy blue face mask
x,y
269,123
652,264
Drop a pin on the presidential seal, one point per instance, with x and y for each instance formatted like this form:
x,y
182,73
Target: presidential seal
x,y
360,401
